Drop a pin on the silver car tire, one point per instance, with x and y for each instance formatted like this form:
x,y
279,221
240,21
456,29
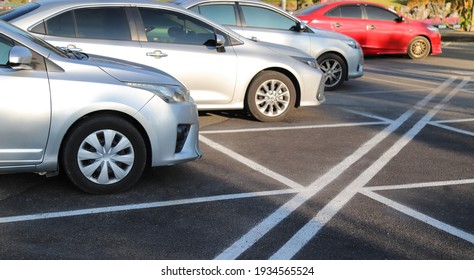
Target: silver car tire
x,y
271,96
419,48
104,155
334,69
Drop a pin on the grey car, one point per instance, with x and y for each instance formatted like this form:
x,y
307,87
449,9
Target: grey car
x,y
339,57
221,69
98,121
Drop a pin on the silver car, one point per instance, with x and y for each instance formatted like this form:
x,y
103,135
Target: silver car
x,y
339,57
99,122
221,69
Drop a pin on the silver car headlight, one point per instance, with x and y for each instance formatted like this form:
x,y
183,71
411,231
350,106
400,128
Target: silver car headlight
x,y
307,60
169,93
352,43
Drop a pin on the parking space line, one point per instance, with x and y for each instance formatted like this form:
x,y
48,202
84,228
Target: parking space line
x,y
305,234
258,167
364,114
256,233
447,127
338,125
140,206
421,185
420,216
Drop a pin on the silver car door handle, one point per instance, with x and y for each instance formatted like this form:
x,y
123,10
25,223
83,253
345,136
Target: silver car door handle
x,y
371,27
337,25
157,54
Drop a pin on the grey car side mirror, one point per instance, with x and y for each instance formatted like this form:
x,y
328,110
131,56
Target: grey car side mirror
x,y
220,43
20,58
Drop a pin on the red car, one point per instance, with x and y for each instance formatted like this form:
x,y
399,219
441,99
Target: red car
x,y
378,29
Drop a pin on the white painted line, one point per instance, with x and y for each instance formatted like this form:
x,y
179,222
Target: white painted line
x,y
447,127
258,167
421,185
352,92
140,206
404,84
453,121
415,77
246,241
305,234
420,216
364,114
337,125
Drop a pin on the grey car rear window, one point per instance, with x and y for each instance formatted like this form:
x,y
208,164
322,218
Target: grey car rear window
x,y
95,23
220,13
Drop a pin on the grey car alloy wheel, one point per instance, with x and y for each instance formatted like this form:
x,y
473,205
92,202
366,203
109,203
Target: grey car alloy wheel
x,y
334,70
271,96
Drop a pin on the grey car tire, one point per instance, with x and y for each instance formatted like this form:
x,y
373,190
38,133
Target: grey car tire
x,y
419,48
271,96
334,69
104,155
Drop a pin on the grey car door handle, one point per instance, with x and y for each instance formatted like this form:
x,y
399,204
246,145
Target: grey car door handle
x,y
371,27
157,54
337,25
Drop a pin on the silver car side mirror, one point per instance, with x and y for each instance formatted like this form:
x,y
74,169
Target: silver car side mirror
x,y
20,58
220,43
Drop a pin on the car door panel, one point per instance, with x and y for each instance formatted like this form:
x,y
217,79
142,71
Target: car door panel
x,y
25,110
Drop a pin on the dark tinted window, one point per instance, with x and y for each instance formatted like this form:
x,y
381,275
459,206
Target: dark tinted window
x,y
220,13
95,23
377,13
264,18
172,27
102,23
346,11
61,25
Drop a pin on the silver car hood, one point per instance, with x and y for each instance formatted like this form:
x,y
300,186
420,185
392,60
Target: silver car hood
x,y
120,70
282,49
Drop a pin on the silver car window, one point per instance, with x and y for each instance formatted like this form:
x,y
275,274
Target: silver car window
x,y
109,23
5,46
264,18
170,27
224,14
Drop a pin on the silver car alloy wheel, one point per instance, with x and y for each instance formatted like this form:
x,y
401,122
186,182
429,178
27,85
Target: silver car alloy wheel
x,y
105,157
332,70
272,98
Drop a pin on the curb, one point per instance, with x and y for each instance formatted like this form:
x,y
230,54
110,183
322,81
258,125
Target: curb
x,y
456,36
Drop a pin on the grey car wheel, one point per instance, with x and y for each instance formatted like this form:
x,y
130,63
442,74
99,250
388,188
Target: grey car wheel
x,y
419,48
334,69
271,96
104,155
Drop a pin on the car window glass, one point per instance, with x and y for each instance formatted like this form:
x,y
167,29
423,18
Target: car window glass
x,y
5,46
102,23
61,25
96,23
172,27
377,13
264,18
345,11
220,13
